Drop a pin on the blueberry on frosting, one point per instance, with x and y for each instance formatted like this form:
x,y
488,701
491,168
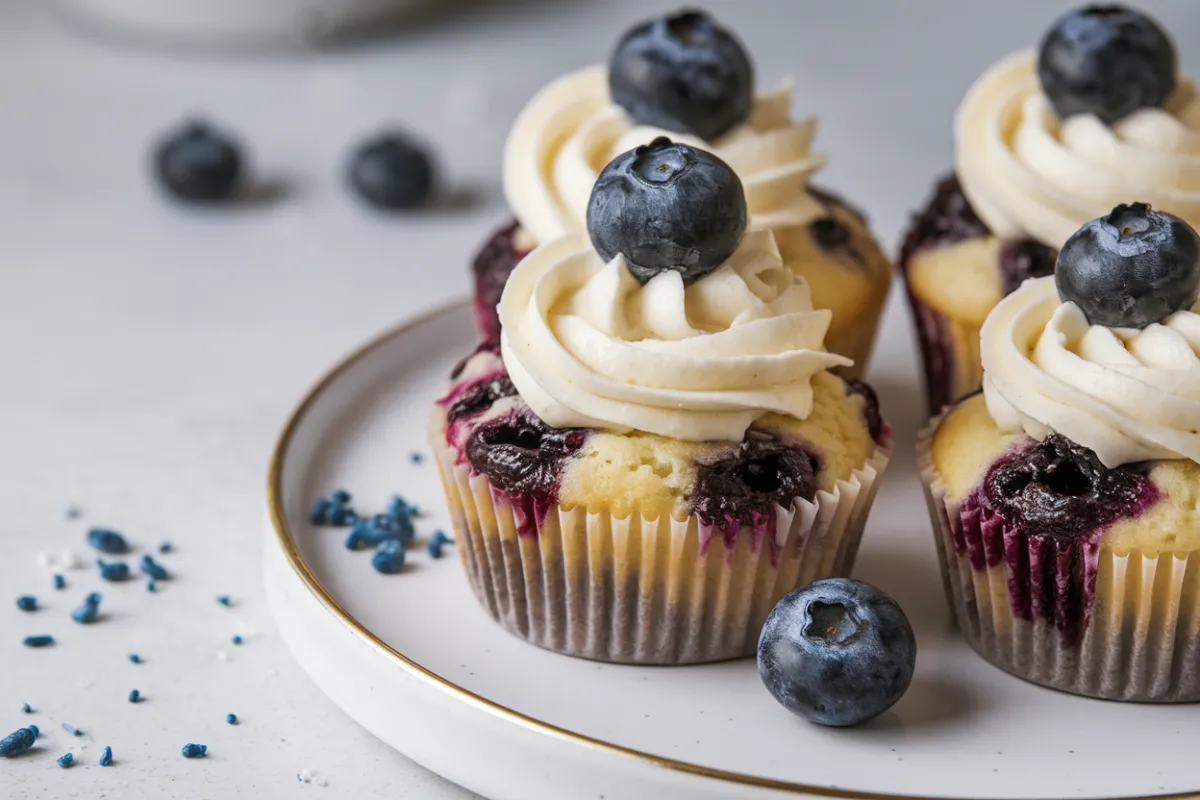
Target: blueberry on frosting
x,y
1131,268
1106,60
667,206
683,73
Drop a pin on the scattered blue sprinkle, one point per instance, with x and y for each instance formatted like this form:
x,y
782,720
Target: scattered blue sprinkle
x,y
166,547
152,585
106,757
27,602
34,730
26,708
66,759
107,541
416,457
87,612
437,542
334,510
236,639
135,658
225,600
340,497
18,742
71,729
195,750
135,696
152,568
113,570
371,531
59,581
389,557
38,641
399,508
231,719
319,513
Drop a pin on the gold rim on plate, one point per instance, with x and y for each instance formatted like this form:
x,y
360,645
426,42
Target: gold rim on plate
x,y
287,543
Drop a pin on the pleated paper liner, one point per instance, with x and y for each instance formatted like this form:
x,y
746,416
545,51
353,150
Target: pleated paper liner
x,y
950,349
1138,641
644,590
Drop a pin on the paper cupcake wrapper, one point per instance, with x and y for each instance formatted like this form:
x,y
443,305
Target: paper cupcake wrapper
x,y
1140,638
643,590
950,349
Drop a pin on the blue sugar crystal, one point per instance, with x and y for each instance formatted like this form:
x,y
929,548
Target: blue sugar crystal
x,y
195,750
389,557
34,730
399,508
437,542
66,759
135,658
38,641
113,570
334,510
27,602
87,612
107,541
236,639
231,719
59,581
342,516
372,531
416,457
135,696
152,585
152,568
319,513
71,729
225,600
17,742
340,497
165,547
106,757
26,708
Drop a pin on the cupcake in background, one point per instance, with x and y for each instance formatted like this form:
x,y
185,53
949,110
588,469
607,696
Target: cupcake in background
x,y
1066,497
655,451
685,77
1046,140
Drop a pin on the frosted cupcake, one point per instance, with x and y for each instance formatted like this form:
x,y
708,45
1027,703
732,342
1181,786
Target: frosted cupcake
x,y
685,77
656,452
1066,496
1045,140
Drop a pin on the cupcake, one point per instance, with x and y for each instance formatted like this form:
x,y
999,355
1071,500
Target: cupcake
x,y
1046,140
1066,496
685,77
655,451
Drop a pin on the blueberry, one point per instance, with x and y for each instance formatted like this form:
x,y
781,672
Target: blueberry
x,y
199,164
667,206
392,172
522,455
1106,60
760,474
1131,268
837,652
683,73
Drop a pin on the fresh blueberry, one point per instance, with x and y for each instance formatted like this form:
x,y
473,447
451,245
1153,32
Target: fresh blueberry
x,y
1106,60
199,164
683,73
1131,268
837,652
667,206
392,172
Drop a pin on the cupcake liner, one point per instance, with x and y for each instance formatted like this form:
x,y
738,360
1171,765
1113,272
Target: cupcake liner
x,y
1073,616
645,590
950,353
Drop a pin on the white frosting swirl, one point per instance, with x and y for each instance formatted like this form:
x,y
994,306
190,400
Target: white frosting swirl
x,y
571,130
586,345
1130,395
1028,173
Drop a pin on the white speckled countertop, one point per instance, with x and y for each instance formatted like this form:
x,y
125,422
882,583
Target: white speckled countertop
x,y
149,353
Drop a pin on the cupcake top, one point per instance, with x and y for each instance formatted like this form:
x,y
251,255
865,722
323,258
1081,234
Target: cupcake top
x,y
1106,352
673,321
682,76
1050,138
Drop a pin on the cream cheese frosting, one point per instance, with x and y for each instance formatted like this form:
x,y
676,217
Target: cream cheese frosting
x,y
571,130
1029,174
1129,395
587,346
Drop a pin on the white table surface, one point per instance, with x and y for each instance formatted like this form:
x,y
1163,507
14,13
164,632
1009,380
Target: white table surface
x,y
149,354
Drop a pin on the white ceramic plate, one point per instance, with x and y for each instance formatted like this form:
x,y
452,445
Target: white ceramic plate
x,y
414,660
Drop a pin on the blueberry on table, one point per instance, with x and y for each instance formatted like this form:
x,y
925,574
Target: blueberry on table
x,y
1130,268
1106,60
199,164
837,652
392,172
683,73
667,206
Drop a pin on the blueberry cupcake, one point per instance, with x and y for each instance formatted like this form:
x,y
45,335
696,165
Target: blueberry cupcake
x,y
1066,496
655,451
1046,140
685,77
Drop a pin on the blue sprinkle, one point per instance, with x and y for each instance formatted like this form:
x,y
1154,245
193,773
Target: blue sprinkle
x,y
231,719
416,457
370,532
434,548
166,547
319,513
237,639
65,760
225,600
195,750
399,509
59,581
34,730
135,658
152,568
106,757
107,541
38,641
342,516
27,602
87,612
18,742
113,570
340,497
135,696
334,510
26,708
71,729
389,557
152,585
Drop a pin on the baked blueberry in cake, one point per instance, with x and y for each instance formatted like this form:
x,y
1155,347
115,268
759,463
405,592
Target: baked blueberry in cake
x,y
1045,140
